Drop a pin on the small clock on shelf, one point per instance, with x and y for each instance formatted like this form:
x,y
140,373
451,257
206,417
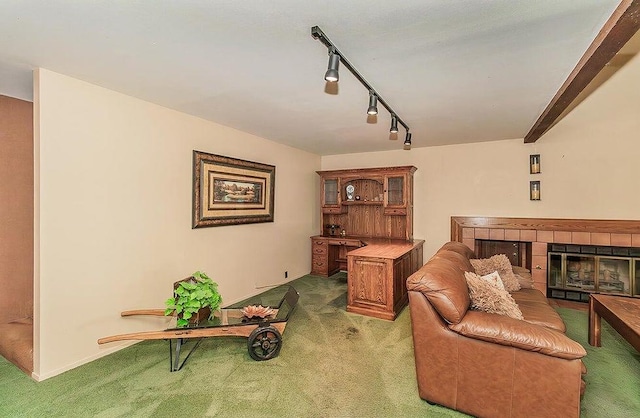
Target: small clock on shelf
x,y
350,191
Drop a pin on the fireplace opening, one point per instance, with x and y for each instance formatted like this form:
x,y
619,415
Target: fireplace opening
x,y
518,252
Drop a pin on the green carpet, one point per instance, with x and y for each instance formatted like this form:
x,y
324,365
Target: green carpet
x,y
332,364
613,370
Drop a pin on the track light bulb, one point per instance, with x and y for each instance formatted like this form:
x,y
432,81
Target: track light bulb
x,y
373,104
407,141
394,124
332,72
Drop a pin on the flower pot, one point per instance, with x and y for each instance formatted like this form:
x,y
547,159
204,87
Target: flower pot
x,y
195,292
202,315
199,317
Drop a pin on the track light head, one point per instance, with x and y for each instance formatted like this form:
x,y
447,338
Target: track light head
x,y
373,103
332,71
407,141
394,124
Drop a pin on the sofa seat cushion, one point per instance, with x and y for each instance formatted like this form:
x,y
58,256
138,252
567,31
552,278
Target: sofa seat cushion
x,y
533,295
444,285
536,310
502,330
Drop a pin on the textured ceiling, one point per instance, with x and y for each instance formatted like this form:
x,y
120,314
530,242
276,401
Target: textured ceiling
x,y
455,71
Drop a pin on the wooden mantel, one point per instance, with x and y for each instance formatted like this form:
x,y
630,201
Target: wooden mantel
x,y
550,224
542,231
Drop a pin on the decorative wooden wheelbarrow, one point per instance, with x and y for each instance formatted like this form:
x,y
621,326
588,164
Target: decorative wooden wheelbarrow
x,y
264,335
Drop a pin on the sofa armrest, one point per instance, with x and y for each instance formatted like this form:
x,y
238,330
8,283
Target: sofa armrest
x,y
503,330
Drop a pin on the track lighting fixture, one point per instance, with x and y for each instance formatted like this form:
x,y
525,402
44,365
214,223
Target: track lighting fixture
x,y
335,57
373,104
394,124
332,74
407,141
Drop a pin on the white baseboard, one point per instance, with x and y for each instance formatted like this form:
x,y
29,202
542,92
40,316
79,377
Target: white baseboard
x,y
105,352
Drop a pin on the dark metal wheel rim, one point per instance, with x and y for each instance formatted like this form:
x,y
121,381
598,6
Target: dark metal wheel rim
x,y
264,343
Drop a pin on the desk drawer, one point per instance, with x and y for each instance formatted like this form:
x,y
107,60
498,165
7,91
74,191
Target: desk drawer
x,y
395,211
319,264
349,242
319,247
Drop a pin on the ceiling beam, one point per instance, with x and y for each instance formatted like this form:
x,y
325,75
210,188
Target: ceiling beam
x,y
621,26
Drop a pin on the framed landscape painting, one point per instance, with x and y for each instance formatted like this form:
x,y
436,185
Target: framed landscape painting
x,y
229,191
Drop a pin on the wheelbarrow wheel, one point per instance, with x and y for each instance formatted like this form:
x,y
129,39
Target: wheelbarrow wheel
x,y
264,343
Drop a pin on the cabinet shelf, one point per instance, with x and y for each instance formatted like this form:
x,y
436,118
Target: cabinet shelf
x,y
362,202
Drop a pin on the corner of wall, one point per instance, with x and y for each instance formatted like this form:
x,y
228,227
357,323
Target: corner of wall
x,y
36,223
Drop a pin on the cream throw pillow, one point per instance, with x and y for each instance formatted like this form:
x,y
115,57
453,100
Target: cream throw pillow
x,y
489,298
494,279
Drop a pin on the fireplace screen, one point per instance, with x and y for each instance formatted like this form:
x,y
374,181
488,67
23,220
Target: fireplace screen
x,y
575,273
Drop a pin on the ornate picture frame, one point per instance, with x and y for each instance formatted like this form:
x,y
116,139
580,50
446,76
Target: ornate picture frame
x,y
230,191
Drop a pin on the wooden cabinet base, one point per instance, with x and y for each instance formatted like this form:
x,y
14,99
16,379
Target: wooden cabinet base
x,y
376,312
376,278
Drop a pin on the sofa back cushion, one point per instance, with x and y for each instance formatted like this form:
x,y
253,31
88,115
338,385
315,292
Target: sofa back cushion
x,y
460,260
459,248
444,286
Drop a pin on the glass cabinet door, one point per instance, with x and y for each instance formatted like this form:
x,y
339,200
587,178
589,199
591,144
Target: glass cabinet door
x,y
395,191
614,275
330,192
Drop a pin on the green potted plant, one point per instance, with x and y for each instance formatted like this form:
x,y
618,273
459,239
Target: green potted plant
x,y
193,298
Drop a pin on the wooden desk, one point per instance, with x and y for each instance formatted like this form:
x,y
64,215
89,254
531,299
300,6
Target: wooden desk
x,y
375,206
377,270
622,313
377,273
329,254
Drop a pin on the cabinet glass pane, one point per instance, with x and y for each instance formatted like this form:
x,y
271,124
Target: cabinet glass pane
x,y
331,192
580,272
394,193
614,275
555,270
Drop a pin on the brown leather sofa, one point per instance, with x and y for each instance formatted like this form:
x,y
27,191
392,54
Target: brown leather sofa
x,y
489,365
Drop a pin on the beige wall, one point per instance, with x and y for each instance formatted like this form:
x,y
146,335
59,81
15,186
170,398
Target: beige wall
x,y
113,201
113,216
16,209
589,163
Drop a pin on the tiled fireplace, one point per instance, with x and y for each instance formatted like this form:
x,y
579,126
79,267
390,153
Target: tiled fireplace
x,y
535,234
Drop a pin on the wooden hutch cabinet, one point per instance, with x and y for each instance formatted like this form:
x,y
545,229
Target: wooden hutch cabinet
x,y
367,229
376,202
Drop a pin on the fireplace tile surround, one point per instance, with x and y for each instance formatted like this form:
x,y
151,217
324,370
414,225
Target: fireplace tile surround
x,y
541,231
